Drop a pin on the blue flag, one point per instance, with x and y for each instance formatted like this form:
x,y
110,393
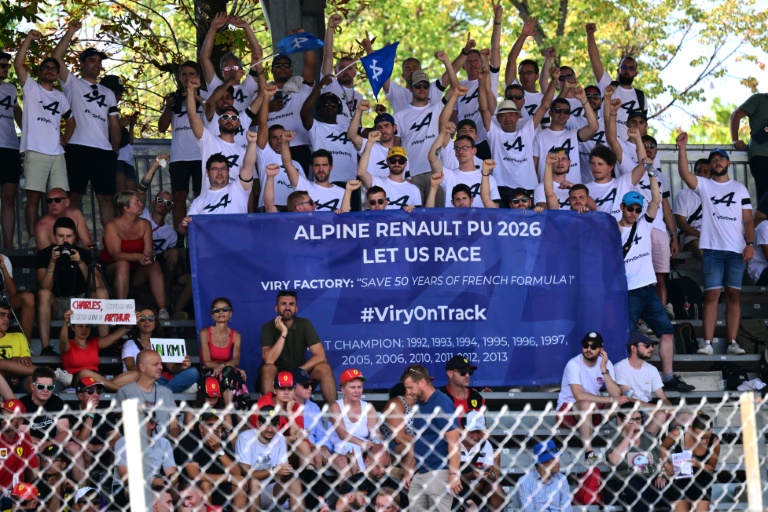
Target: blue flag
x,y
301,42
378,66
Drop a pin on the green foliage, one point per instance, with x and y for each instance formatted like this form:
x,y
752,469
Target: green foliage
x,y
714,128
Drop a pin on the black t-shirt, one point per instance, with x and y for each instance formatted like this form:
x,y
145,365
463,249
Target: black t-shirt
x,y
193,449
359,482
103,424
68,280
43,426
44,493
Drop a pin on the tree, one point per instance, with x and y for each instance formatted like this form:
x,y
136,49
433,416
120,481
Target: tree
x,y
714,128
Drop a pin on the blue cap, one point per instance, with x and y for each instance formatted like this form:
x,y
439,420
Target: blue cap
x,y
632,198
720,152
545,451
638,337
384,118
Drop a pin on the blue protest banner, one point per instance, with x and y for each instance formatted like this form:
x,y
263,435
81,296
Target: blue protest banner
x,y
513,290
378,66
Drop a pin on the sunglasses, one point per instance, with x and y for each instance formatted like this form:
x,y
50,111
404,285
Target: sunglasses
x,y
145,318
231,68
593,96
520,200
633,209
558,110
56,200
223,309
420,85
229,117
397,160
275,422
464,373
52,69
306,385
373,202
649,146
514,97
628,68
591,346
563,78
162,200
281,65
96,389
42,387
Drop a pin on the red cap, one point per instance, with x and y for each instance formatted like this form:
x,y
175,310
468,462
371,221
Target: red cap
x,y
24,491
212,387
14,405
351,374
284,380
86,382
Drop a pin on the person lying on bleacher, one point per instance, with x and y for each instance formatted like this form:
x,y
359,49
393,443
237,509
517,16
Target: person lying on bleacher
x,y
15,357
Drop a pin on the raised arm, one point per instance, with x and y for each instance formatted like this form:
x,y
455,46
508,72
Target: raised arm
x,y
510,74
594,52
362,166
147,179
210,103
310,63
209,71
482,98
549,185
437,147
326,68
682,162
586,132
248,168
164,121
61,48
253,44
271,171
485,184
306,109
263,135
349,189
546,101
653,207
549,59
611,133
434,183
285,153
354,125
194,119
19,62
498,12
450,104
450,72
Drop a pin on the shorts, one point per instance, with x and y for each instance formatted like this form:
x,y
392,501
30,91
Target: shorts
x,y
125,169
181,172
94,165
645,303
722,268
660,252
10,171
685,239
44,172
567,419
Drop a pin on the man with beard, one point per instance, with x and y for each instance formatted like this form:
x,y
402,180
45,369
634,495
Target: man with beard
x,y
45,166
583,378
459,371
9,150
631,99
727,238
326,195
91,153
284,344
641,380
164,237
399,192
223,97
384,123
545,488
595,100
343,82
687,211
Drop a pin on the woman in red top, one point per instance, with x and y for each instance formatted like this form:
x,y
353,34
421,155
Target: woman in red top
x,y
220,354
80,354
128,249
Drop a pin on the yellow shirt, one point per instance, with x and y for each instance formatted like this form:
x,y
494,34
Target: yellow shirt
x,y
14,344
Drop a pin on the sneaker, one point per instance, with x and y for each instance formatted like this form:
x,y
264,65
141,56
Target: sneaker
x,y
191,389
735,350
670,311
705,348
48,351
677,384
32,243
591,458
63,376
163,314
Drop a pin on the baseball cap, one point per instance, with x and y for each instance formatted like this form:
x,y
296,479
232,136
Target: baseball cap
x,y
14,405
268,414
720,152
594,337
419,76
638,113
458,362
55,452
284,380
212,387
396,151
351,374
87,382
282,56
300,376
208,415
638,337
24,491
632,198
507,106
466,122
384,117
89,52
4,55
475,421
113,83
85,490
545,451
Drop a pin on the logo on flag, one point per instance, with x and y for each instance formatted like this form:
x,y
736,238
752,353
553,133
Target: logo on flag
x,y
378,66
301,42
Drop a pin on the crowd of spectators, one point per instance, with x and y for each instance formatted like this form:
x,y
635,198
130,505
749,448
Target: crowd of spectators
x,y
295,143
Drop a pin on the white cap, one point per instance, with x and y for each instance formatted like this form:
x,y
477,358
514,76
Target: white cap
x,y
475,421
83,491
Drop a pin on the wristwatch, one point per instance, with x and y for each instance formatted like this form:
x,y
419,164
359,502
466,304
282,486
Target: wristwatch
x,y
652,174
221,453
751,244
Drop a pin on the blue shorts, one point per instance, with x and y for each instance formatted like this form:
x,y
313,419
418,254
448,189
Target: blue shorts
x,y
722,268
645,303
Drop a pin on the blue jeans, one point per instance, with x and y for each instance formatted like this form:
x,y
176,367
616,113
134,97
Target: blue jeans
x,y
181,380
645,303
722,268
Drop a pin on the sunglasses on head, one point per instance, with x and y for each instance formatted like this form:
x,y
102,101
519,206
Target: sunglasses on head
x,y
397,160
42,387
520,200
634,209
56,200
229,117
420,85
95,389
147,318
162,200
559,110
223,309
517,97
591,346
466,372
374,202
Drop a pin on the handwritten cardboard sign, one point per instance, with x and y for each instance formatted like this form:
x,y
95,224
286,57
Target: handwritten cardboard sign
x,y
170,350
103,311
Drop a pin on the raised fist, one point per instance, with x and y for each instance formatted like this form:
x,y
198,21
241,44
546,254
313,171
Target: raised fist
x,y
34,35
251,136
288,135
364,106
335,20
682,140
488,165
272,170
590,28
374,136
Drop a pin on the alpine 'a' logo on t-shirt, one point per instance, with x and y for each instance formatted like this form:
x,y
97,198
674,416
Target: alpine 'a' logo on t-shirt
x,y
727,199
474,190
577,112
636,240
96,96
517,145
223,203
565,145
425,122
469,97
342,137
382,164
240,130
599,138
644,186
52,107
239,96
609,198
565,202
629,106
333,204
232,159
531,109
158,244
6,103
401,202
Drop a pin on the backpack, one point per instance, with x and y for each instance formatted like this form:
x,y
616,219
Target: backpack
x,y
752,335
589,489
640,96
734,375
685,339
686,297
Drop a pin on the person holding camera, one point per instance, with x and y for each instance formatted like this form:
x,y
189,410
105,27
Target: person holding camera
x,y
62,271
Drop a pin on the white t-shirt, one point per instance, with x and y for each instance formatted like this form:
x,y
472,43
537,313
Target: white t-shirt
x,y
398,194
586,147
722,227
687,203
349,97
604,195
644,188
759,263
590,379
211,144
623,185
400,97
289,117
643,382
163,237
326,199
233,198
513,154
377,161
531,101
41,119
562,196
8,100
130,349
578,119
449,160
244,94
92,105
333,138
283,187
251,451
453,177
482,450
629,103
184,146
547,139
638,264
418,127
468,105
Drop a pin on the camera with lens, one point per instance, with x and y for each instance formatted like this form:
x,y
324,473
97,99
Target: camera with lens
x,y
65,253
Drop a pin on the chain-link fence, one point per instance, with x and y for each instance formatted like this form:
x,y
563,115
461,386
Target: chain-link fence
x,y
120,456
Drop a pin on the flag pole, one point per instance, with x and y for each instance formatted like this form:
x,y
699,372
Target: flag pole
x,y
268,57
347,67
